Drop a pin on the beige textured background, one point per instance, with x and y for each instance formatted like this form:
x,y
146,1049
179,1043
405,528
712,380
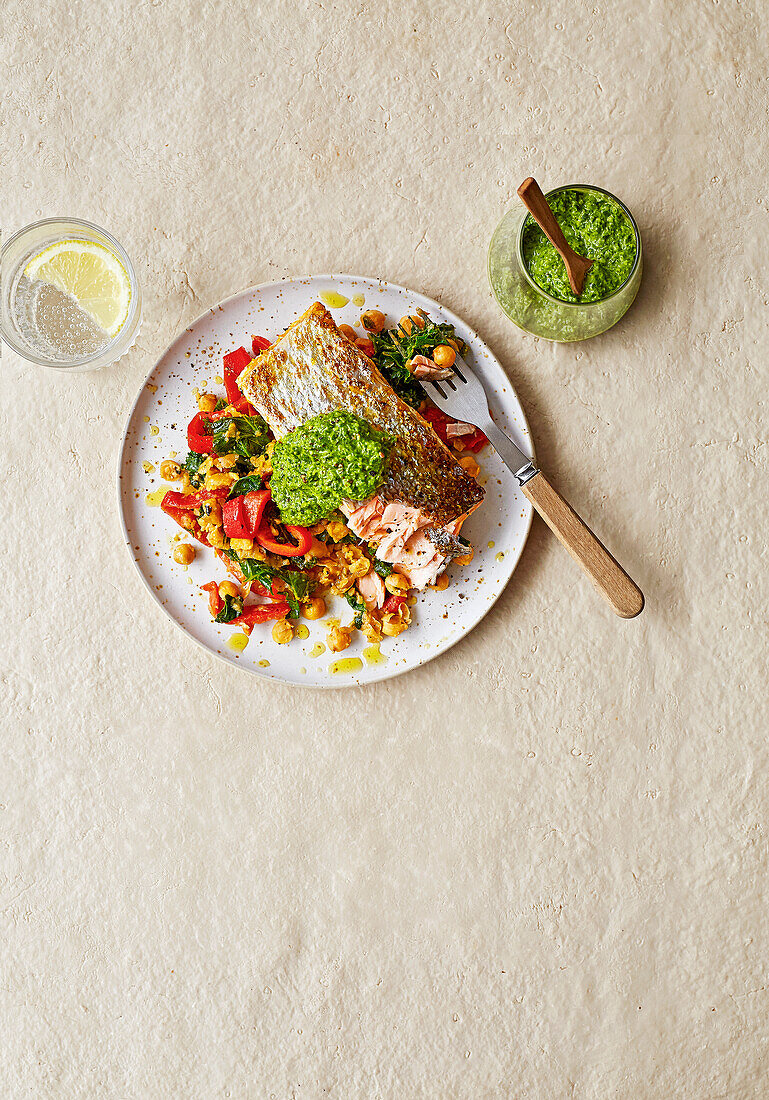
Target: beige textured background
x,y
537,867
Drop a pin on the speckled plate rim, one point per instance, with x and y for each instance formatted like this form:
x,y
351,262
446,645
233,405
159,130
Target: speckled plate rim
x,y
181,338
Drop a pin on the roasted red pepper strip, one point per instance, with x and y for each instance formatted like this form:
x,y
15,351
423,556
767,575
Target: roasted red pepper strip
x,y
234,363
242,407
259,344
177,505
234,519
185,503
261,613
439,422
475,442
176,512
254,504
198,439
267,540
215,601
391,604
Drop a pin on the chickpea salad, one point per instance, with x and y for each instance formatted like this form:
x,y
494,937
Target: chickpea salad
x,y
277,513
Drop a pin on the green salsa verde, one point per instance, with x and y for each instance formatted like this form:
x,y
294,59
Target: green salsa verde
x,y
595,226
333,457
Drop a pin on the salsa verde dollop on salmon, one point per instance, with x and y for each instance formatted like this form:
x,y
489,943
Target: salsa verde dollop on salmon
x,y
414,517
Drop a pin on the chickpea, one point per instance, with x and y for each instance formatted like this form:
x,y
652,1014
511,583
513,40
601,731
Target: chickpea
x,y
414,321
338,638
465,559
255,552
216,537
226,462
397,584
349,332
373,320
442,582
392,628
184,554
241,546
282,632
444,356
406,324
211,511
337,529
216,480
365,346
170,471
371,628
315,608
227,588
207,402
317,549
470,465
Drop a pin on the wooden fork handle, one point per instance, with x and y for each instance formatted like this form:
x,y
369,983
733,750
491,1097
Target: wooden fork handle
x,y
608,576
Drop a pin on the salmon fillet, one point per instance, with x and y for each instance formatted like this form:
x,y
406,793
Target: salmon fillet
x,y
312,368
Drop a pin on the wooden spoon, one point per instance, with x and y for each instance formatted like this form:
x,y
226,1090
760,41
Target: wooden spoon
x,y
535,202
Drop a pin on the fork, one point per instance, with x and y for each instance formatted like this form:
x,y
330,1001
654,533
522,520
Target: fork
x,y
463,398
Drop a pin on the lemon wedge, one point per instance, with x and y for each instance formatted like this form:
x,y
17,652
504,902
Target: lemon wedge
x,y
89,273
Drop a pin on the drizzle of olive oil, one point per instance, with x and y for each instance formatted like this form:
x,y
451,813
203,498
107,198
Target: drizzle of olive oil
x,y
492,544
154,430
317,649
155,498
302,631
148,467
374,655
333,299
152,387
499,556
345,664
238,642
358,300
264,664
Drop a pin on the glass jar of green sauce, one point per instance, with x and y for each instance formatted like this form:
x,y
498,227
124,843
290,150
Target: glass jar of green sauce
x,y
529,279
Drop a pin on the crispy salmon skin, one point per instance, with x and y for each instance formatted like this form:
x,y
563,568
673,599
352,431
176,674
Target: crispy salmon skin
x,y
312,368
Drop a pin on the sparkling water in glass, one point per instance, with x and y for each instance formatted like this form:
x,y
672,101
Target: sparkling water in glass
x,y
48,326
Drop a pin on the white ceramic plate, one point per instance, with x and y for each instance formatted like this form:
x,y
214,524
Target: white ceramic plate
x,y
157,427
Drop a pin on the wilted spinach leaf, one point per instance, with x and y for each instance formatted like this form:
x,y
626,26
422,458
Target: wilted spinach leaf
x,y
383,568
251,435
357,604
233,606
250,484
192,464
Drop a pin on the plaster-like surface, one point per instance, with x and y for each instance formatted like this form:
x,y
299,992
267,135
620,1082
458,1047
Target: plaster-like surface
x,y
537,867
